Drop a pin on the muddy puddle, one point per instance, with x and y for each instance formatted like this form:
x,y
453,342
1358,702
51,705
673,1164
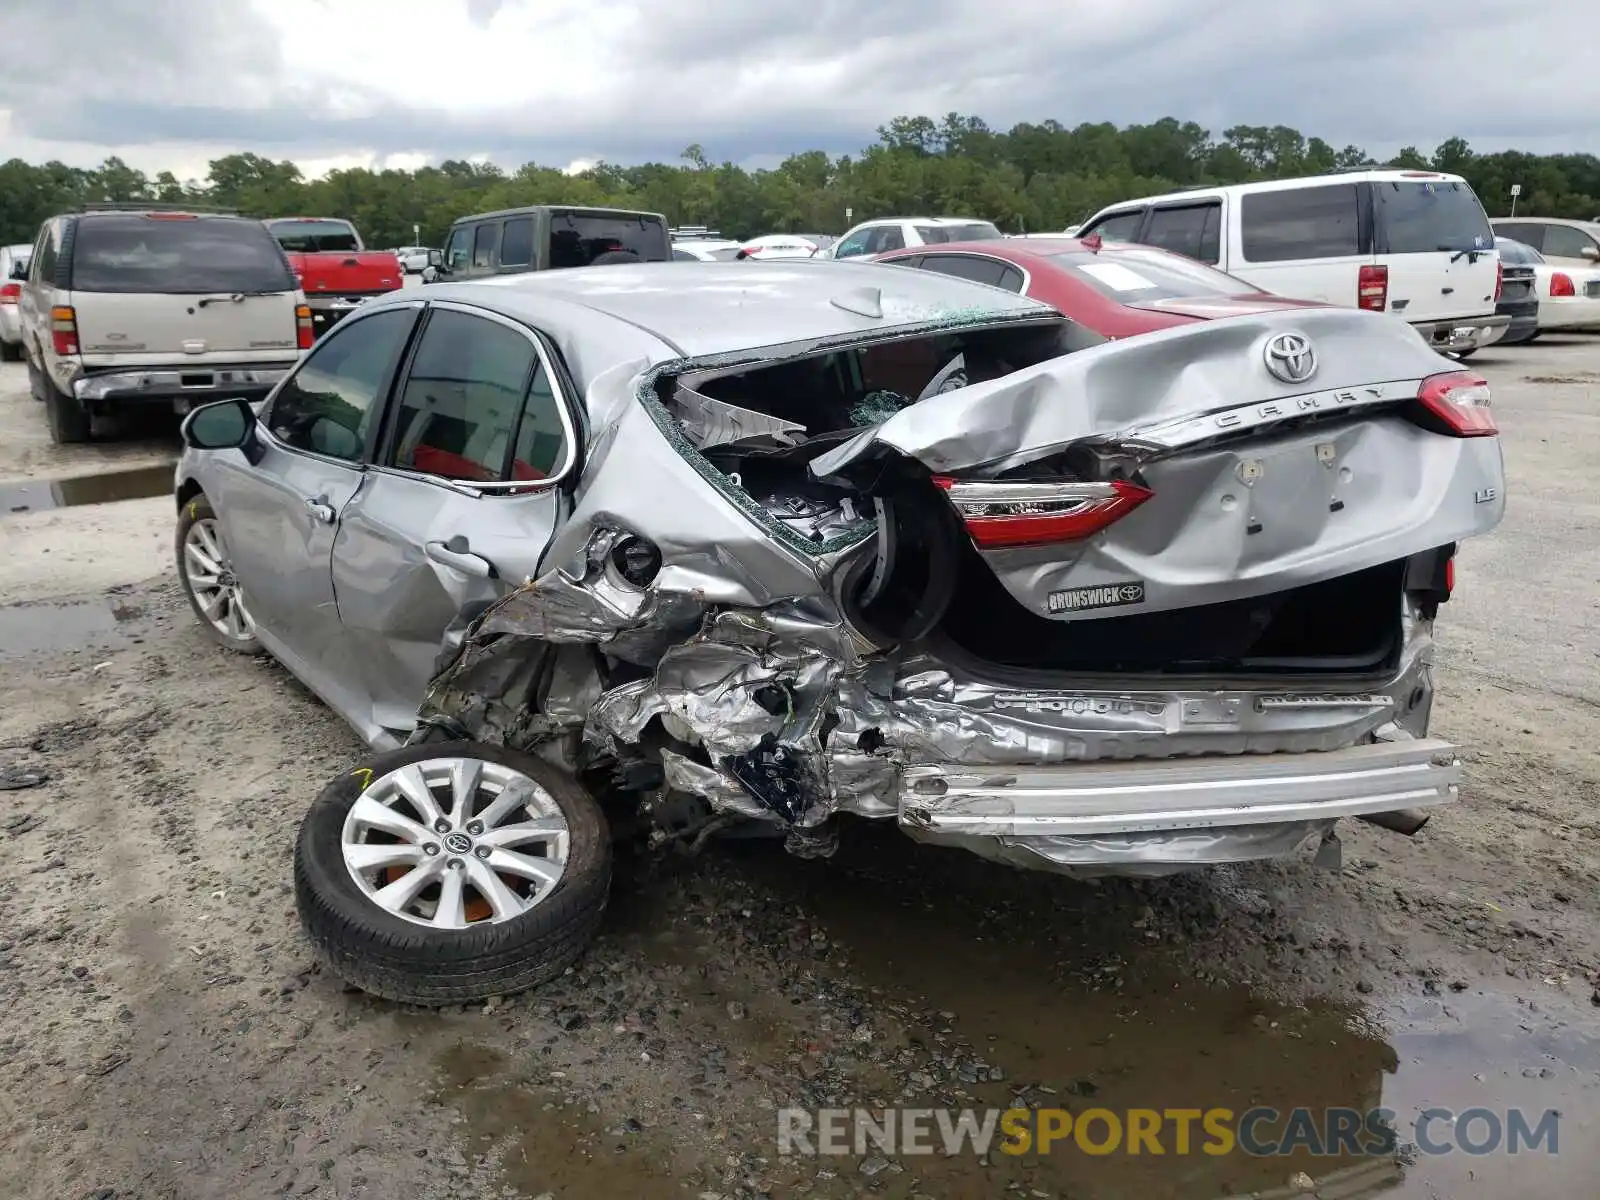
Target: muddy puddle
x,y
54,626
1049,1005
38,495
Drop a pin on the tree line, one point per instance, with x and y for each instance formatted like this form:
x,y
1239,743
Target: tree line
x,y
1031,178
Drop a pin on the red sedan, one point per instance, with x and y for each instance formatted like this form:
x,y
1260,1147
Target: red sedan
x,y
1116,289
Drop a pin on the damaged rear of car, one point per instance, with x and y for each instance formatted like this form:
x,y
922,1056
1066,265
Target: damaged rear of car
x,y
1128,607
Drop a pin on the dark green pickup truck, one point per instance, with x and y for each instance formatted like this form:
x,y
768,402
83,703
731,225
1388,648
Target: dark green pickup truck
x,y
546,237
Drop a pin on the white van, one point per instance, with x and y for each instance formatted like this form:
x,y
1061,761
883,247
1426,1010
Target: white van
x,y
1415,244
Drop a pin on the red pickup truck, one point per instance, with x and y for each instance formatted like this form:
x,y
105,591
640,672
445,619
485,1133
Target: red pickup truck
x,y
337,273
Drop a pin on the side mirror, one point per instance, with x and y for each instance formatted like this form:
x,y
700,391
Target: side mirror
x,y
220,425
19,270
435,258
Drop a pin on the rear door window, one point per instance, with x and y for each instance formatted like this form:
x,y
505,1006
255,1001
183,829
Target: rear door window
x,y
1190,230
1426,216
176,255
885,238
1528,235
1563,241
516,243
45,255
1302,222
477,405
1116,227
967,266
578,238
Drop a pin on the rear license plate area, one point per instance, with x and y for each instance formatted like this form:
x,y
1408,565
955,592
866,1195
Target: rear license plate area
x,y
1592,288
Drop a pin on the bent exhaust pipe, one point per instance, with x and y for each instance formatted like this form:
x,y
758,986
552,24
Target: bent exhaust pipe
x,y
1400,820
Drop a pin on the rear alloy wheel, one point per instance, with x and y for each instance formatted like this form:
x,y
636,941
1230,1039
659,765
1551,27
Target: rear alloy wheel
x,y
450,872
206,570
66,416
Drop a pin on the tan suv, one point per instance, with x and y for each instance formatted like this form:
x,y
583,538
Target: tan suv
x,y
127,308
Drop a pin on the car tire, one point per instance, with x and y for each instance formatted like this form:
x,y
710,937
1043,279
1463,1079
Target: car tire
x,y
199,536
408,960
66,416
10,352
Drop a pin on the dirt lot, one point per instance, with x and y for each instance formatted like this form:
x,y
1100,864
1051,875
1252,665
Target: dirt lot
x,y
163,1032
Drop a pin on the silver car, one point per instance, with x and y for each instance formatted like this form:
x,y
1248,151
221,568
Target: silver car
x,y
686,548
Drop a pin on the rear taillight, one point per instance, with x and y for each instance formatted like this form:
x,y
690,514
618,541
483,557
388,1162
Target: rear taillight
x,y
998,514
1449,576
1561,285
1499,281
1460,400
305,333
10,292
1372,288
750,251
64,329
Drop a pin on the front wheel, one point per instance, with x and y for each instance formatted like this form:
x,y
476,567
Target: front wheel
x,y
446,873
205,569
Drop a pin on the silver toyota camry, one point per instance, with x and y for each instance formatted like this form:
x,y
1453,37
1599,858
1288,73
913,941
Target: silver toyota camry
x,y
685,546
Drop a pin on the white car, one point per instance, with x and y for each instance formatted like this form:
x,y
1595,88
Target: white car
x,y
896,233
413,259
779,245
13,270
705,250
1414,244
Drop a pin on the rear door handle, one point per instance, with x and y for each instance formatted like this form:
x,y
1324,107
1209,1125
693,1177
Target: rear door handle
x,y
455,555
319,508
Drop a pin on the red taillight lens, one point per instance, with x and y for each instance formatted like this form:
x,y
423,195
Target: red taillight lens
x,y
1561,285
998,515
1499,281
1372,288
1459,399
1449,575
10,292
64,330
305,333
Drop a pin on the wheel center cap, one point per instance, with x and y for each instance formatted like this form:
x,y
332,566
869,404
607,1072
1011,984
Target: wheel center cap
x,y
458,843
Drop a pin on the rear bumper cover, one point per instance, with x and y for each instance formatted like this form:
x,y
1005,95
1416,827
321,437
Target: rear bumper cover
x,y
1463,333
328,311
192,386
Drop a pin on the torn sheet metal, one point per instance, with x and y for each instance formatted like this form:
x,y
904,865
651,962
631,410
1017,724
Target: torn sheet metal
x,y
1157,390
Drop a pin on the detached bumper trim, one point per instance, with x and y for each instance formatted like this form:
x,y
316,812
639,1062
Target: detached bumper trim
x,y
1173,794
1463,333
160,384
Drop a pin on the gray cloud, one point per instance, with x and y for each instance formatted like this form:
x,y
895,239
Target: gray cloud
x,y
1375,72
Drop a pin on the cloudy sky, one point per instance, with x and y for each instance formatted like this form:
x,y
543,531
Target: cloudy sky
x,y
169,84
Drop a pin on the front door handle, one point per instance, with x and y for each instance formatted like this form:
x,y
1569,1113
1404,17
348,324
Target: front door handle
x,y
455,555
320,509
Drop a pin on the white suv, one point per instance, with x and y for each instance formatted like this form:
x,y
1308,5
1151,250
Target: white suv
x,y
125,309
1415,244
896,233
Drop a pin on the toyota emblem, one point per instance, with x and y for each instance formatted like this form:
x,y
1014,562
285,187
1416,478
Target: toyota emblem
x,y
1291,358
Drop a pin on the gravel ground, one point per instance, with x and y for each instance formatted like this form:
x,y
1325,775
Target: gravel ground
x,y
164,1032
